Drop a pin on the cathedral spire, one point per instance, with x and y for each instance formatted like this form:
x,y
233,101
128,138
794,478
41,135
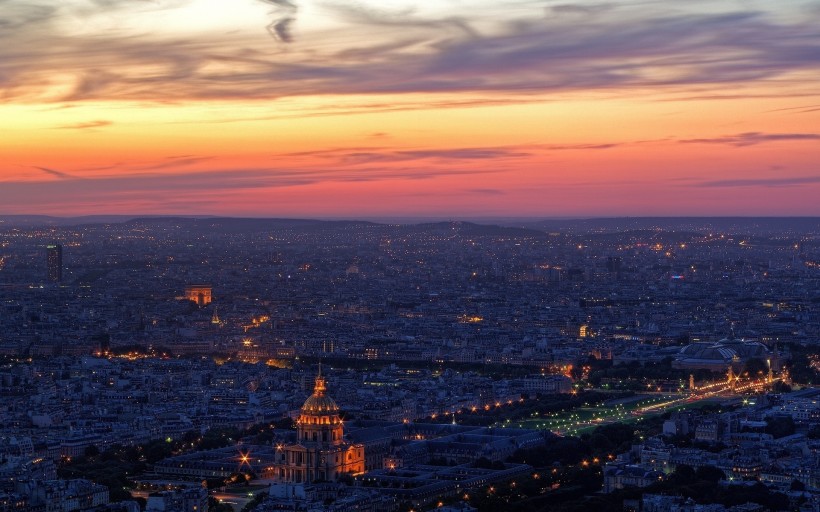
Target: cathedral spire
x,y
319,388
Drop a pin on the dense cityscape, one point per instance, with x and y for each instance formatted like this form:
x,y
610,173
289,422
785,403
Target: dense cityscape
x,y
223,364
404,256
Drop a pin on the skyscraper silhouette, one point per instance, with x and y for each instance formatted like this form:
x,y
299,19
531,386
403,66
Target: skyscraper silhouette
x,y
54,260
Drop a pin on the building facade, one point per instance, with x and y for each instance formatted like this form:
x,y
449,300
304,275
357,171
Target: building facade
x,y
321,452
199,293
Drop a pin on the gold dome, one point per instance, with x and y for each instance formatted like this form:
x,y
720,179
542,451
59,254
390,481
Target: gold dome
x,y
319,405
318,402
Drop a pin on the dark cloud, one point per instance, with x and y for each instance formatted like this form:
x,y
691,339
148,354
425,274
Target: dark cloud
x,y
283,17
220,181
281,29
636,47
92,84
753,138
401,18
762,182
464,153
55,173
174,162
366,49
735,96
696,49
807,108
563,147
380,154
15,15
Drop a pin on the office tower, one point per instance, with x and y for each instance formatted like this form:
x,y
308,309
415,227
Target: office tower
x,y
54,261
613,264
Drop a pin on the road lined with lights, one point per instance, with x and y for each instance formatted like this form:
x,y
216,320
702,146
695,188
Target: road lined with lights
x,y
593,415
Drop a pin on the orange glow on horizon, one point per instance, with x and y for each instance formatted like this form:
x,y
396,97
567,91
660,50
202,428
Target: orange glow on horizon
x,y
338,116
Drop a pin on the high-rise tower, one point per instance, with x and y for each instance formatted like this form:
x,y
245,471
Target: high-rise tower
x,y
54,262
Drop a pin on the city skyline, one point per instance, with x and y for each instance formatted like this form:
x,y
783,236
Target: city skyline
x,y
236,365
302,108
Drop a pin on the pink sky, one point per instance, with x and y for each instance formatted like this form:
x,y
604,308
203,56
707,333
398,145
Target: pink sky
x,y
451,109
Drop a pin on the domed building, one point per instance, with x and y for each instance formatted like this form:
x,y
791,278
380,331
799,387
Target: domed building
x,y
719,356
321,452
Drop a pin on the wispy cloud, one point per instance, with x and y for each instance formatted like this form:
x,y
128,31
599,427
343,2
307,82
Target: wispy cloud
x,y
587,10
399,105
403,18
374,154
753,138
564,147
166,179
174,162
801,109
640,45
88,125
284,15
19,15
424,154
788,181
57,174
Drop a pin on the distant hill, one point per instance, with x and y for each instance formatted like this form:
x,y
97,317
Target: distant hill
x,y
45,220
740,225
475,229
483,227
245,225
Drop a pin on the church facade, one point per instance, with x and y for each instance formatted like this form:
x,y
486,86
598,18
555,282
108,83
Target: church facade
x,y
321,452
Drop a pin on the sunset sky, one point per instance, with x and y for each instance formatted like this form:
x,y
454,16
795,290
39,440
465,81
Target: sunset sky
x,y
440,108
